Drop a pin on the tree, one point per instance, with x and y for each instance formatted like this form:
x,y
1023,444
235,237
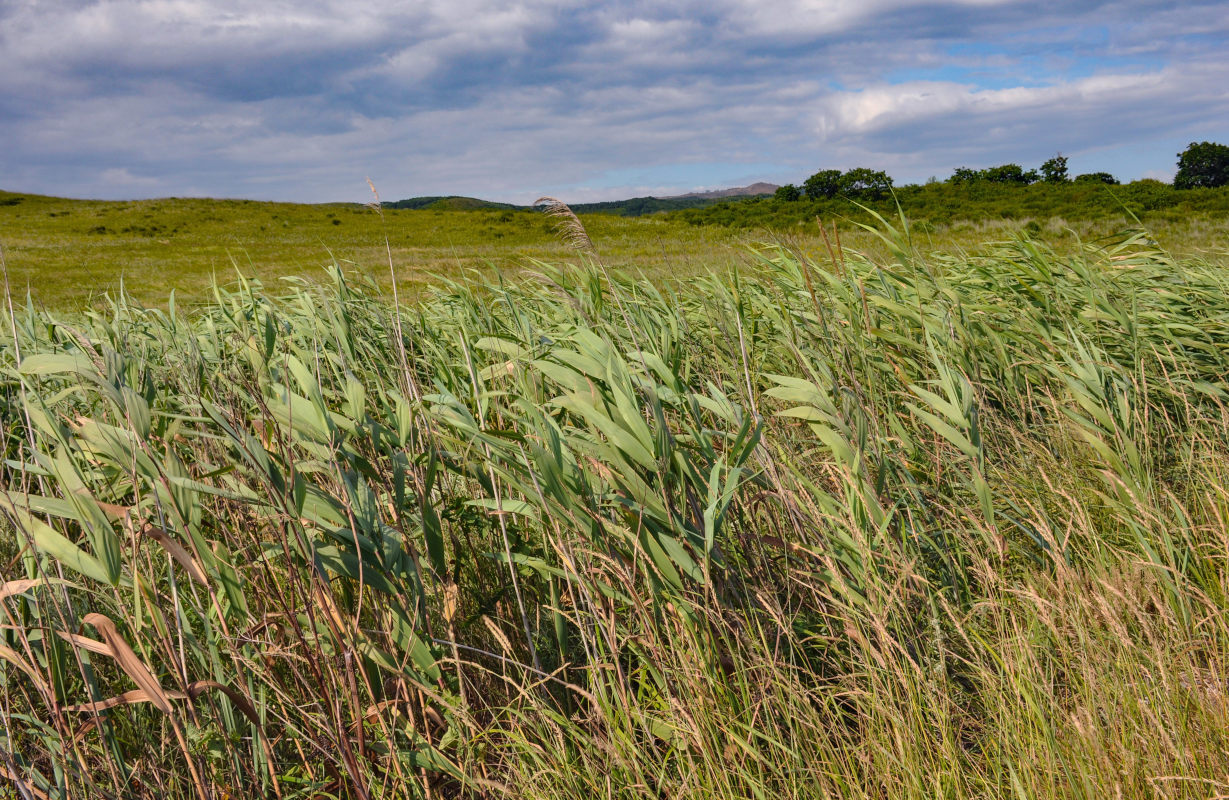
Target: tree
x,y
1009,173
1055,170
825,183
1203,164
789,193
1097,177
866,183
965,175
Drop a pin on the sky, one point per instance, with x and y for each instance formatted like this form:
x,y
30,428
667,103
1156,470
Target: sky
x,y
303,101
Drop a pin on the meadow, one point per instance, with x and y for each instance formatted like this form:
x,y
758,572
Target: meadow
x,y
877,518
68,254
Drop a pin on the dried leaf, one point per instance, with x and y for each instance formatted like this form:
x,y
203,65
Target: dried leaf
x,y
177,552
127,698
86,643
10,655
129,662
17,587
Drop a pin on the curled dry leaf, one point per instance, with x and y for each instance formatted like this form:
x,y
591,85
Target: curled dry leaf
x,y
114,512
177,552
129,662
17,587
127,698
10,655
86,643
195,690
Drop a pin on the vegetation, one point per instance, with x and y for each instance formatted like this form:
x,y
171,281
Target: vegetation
x,y
994,192
449,203
945,203
68,253
906,526
1203,165
1005,173
860,183
1097,177
1055,170
639,206
788,193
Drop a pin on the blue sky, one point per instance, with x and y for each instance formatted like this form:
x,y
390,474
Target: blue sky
x,y
585,100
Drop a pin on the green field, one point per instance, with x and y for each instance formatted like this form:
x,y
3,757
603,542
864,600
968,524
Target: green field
x,y
68,253
941,515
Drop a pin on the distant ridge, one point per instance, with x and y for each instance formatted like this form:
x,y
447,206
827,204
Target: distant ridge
x,y
740,191
631,207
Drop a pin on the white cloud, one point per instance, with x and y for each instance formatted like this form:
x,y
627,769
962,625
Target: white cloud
x,y
301,100
122,177
892,106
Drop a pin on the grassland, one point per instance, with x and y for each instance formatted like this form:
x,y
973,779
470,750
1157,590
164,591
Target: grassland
x,y
895,523
69,253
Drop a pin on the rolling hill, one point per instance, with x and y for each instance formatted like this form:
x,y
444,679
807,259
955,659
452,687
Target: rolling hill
x,y
631,207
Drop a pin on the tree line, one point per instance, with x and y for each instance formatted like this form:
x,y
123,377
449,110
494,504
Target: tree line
x,y
1200,165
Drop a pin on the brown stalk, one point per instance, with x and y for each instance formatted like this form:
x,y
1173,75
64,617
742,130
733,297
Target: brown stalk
x,y
838,264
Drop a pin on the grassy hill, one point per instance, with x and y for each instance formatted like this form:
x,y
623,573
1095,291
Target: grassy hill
x,y
632,207
449,203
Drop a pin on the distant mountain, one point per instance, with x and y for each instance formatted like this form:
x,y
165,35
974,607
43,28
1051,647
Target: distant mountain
x,y
632,207
639,206
740,191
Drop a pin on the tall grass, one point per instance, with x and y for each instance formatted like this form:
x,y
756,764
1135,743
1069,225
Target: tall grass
x,y
932,526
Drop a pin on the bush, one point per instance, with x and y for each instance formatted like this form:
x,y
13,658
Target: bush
x,y
1097,177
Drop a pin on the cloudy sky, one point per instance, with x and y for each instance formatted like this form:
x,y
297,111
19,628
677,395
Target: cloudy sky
x,y
589,100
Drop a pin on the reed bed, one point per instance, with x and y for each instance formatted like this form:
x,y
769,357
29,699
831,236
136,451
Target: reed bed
x,y
835,526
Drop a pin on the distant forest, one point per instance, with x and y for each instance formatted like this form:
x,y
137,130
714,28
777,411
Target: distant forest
x,y
944,202
1006,191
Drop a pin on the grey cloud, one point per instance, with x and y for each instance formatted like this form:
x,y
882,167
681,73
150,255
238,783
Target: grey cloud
x,y
302,100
